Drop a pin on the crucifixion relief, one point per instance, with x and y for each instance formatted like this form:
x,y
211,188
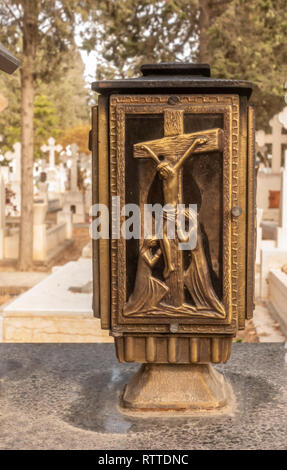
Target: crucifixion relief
x,y
152,296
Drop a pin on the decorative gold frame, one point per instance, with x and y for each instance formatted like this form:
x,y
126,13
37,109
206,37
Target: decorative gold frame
x,y
234,174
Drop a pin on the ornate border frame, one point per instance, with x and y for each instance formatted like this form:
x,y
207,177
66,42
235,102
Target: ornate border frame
x,y
228,105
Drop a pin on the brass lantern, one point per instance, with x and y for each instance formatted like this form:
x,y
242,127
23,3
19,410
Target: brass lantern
x,y
179,140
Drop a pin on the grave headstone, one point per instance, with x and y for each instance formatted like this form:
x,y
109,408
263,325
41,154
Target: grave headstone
x,y
276,139
282,229
259,214
15,183
74,199
43,191
53,178
2,214
39,231
51,148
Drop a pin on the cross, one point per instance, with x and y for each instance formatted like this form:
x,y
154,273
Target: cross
x,y
174,147
51,148
276,138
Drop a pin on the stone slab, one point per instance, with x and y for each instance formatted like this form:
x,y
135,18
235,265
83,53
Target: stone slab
x,y
269,229
278,297
271,258
267,328
52,329
20,279
57,310
54,295
66,397
87,251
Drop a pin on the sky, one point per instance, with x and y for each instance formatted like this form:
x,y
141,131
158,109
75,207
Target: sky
x,y
90,61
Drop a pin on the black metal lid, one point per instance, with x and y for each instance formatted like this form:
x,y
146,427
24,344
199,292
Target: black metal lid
x,y
173,78
175,68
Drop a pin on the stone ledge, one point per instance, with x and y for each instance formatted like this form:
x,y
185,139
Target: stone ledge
x,y
64,396
278,297
52,329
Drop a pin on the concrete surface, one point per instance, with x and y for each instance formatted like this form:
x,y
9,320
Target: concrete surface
x,y
66,397
53,294
267,328
20,279
271,258
278,297
57,310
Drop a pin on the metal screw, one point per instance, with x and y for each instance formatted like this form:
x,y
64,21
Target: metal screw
x,y
173,328
173,100
236,211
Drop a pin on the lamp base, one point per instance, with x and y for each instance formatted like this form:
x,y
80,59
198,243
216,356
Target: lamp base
x,y
175,387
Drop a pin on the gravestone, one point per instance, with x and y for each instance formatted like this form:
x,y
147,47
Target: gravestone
x,y
39,231
2,214
282,229
269,179
73,199
86,169
51,170
43,191
15,181
51,148
276,139
259,214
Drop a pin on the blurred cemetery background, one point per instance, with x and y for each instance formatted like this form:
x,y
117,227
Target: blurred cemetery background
x,y
48,297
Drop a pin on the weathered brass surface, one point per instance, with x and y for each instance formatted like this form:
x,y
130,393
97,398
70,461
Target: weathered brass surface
x,y
251,216
176,310
103,198
150,295
228,106
149,388
173,349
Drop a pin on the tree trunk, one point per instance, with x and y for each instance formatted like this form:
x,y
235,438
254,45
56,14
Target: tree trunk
x,y
27,138
27,153
204,18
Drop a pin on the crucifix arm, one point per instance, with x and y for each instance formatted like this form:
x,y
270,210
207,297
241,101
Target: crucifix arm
x,y
152,154
188,152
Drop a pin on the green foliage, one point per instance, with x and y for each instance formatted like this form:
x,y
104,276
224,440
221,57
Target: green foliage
x,y
76,135
51,32
45,122
60,104
146,31
249,41
10,118
246,39
60,94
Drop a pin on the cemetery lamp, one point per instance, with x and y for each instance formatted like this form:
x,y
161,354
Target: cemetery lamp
x,y
181,141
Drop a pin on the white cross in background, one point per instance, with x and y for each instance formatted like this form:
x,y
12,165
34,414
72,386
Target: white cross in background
x,y
51,148
276,138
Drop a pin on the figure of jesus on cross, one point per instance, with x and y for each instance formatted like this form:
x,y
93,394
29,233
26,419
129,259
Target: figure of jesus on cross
x,y
170,153
169,174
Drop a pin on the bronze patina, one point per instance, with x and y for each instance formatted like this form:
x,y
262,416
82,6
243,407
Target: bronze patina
x,y
175,137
